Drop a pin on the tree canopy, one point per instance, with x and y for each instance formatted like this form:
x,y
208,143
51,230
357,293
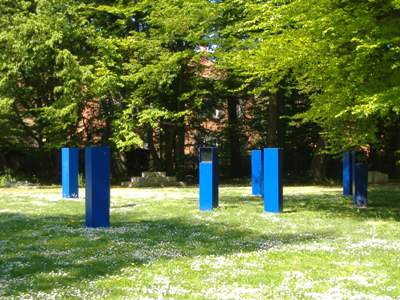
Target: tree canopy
x,y
144,73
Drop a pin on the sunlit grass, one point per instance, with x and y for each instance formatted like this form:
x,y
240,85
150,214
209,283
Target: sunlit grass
x,y
161,247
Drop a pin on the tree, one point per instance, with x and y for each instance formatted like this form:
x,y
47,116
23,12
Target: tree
x,y
164,74
342,55
51,64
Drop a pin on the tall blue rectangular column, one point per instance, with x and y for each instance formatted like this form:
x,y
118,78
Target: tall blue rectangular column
x,y
208,178
347,171
273,195
257,165
97,178
360,196
69,172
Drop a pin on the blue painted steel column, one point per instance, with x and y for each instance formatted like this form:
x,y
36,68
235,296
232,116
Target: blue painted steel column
x,y
208,178
347,171
273,198
257,166
360,197
69,172
97,178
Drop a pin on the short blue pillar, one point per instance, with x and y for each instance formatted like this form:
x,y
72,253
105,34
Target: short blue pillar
x,y
273,161
257,165
208,178
347,172
97,179
354,156
360,196
69,172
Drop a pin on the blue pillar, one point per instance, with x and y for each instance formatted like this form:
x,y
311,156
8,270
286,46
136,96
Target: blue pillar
x,y
354,156
257,165
347,171
208,177
69,172
97,179
273,200
360,196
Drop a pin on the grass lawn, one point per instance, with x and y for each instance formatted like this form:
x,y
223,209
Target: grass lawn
x,y
161,247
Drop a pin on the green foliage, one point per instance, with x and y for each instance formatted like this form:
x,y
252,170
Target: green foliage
x,y
7,179
81,180
162,73
342,55
43,72
142,63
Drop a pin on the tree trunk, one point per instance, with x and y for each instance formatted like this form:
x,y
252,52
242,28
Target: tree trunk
x,y
169,134
273,121
234,138
282,123
106,132
119,164
179,130
180,152
318,163
397,155
155,163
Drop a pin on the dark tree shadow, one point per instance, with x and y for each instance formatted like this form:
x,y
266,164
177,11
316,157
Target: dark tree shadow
x,y
383,203
124,205
37,245
32,247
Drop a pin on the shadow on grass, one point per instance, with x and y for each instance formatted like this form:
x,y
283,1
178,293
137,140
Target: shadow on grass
x,y
383,203
39,253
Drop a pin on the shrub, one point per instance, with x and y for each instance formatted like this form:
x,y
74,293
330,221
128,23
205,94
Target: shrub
x,y
7,180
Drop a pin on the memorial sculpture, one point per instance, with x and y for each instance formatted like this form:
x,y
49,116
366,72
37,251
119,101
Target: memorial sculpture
x,y
70,172
208,178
